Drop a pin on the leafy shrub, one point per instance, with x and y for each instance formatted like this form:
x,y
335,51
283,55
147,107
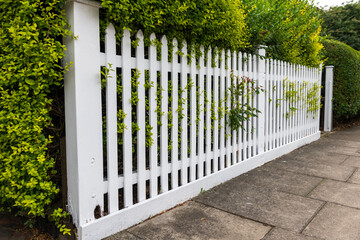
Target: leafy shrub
x,y
346,60
290,29
30,65
209,22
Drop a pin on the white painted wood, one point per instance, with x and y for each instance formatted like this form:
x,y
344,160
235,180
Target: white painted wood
x,y
246,123
240,131
140,112
201,155
278,97
222,107
83,112
209,73
251,102
216,120
266,103
193,157
261,99
228,131
153,158
164,137
281,102
184,107
175,116
272,99
111,120
232,82
127,135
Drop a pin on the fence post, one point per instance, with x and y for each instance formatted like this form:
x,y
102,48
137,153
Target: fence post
x,y
261,102
329,78
83,114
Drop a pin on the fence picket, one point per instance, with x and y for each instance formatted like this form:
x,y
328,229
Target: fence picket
x,y
175,116
231,82
111,120
127,136
201,115
209,73
184,107
193,106
153,156
141,147
239,75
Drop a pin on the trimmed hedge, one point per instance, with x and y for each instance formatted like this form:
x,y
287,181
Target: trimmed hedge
x,y
346,60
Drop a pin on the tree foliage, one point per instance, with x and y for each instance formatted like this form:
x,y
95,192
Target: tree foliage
x,y
290,29
342,23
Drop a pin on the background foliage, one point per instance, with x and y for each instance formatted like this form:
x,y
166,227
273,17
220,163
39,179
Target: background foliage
x,y
342,23
30,53
290,29
346,60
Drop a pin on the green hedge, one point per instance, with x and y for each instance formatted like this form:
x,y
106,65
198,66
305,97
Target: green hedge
x,y
30,54
208,22
346,60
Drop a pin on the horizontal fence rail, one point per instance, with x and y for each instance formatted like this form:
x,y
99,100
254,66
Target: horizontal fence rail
x,y
163,125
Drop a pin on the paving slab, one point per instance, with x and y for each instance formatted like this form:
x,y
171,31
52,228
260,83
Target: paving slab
x,y
280,180
312,168
335,222
282,234
275,208
335,145
355,178
316,155
197,221
352,161
347,194
124,235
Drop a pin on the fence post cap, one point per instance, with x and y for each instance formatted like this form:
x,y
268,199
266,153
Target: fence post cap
x,y
93,3
330,66
261,50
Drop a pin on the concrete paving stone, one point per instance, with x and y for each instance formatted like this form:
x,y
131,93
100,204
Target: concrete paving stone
x,y
318,169
261,204
197,221
335,222
282,234
124,235
352,161
335,145
316,155
338,192
355,178
281,180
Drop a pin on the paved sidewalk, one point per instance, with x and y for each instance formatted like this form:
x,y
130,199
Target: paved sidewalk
x,y
311,193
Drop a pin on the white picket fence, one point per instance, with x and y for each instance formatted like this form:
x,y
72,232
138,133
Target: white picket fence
x,y
114,186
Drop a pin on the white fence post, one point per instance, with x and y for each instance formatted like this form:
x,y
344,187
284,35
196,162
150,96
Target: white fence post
x,y
329,77
83,112
261,99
